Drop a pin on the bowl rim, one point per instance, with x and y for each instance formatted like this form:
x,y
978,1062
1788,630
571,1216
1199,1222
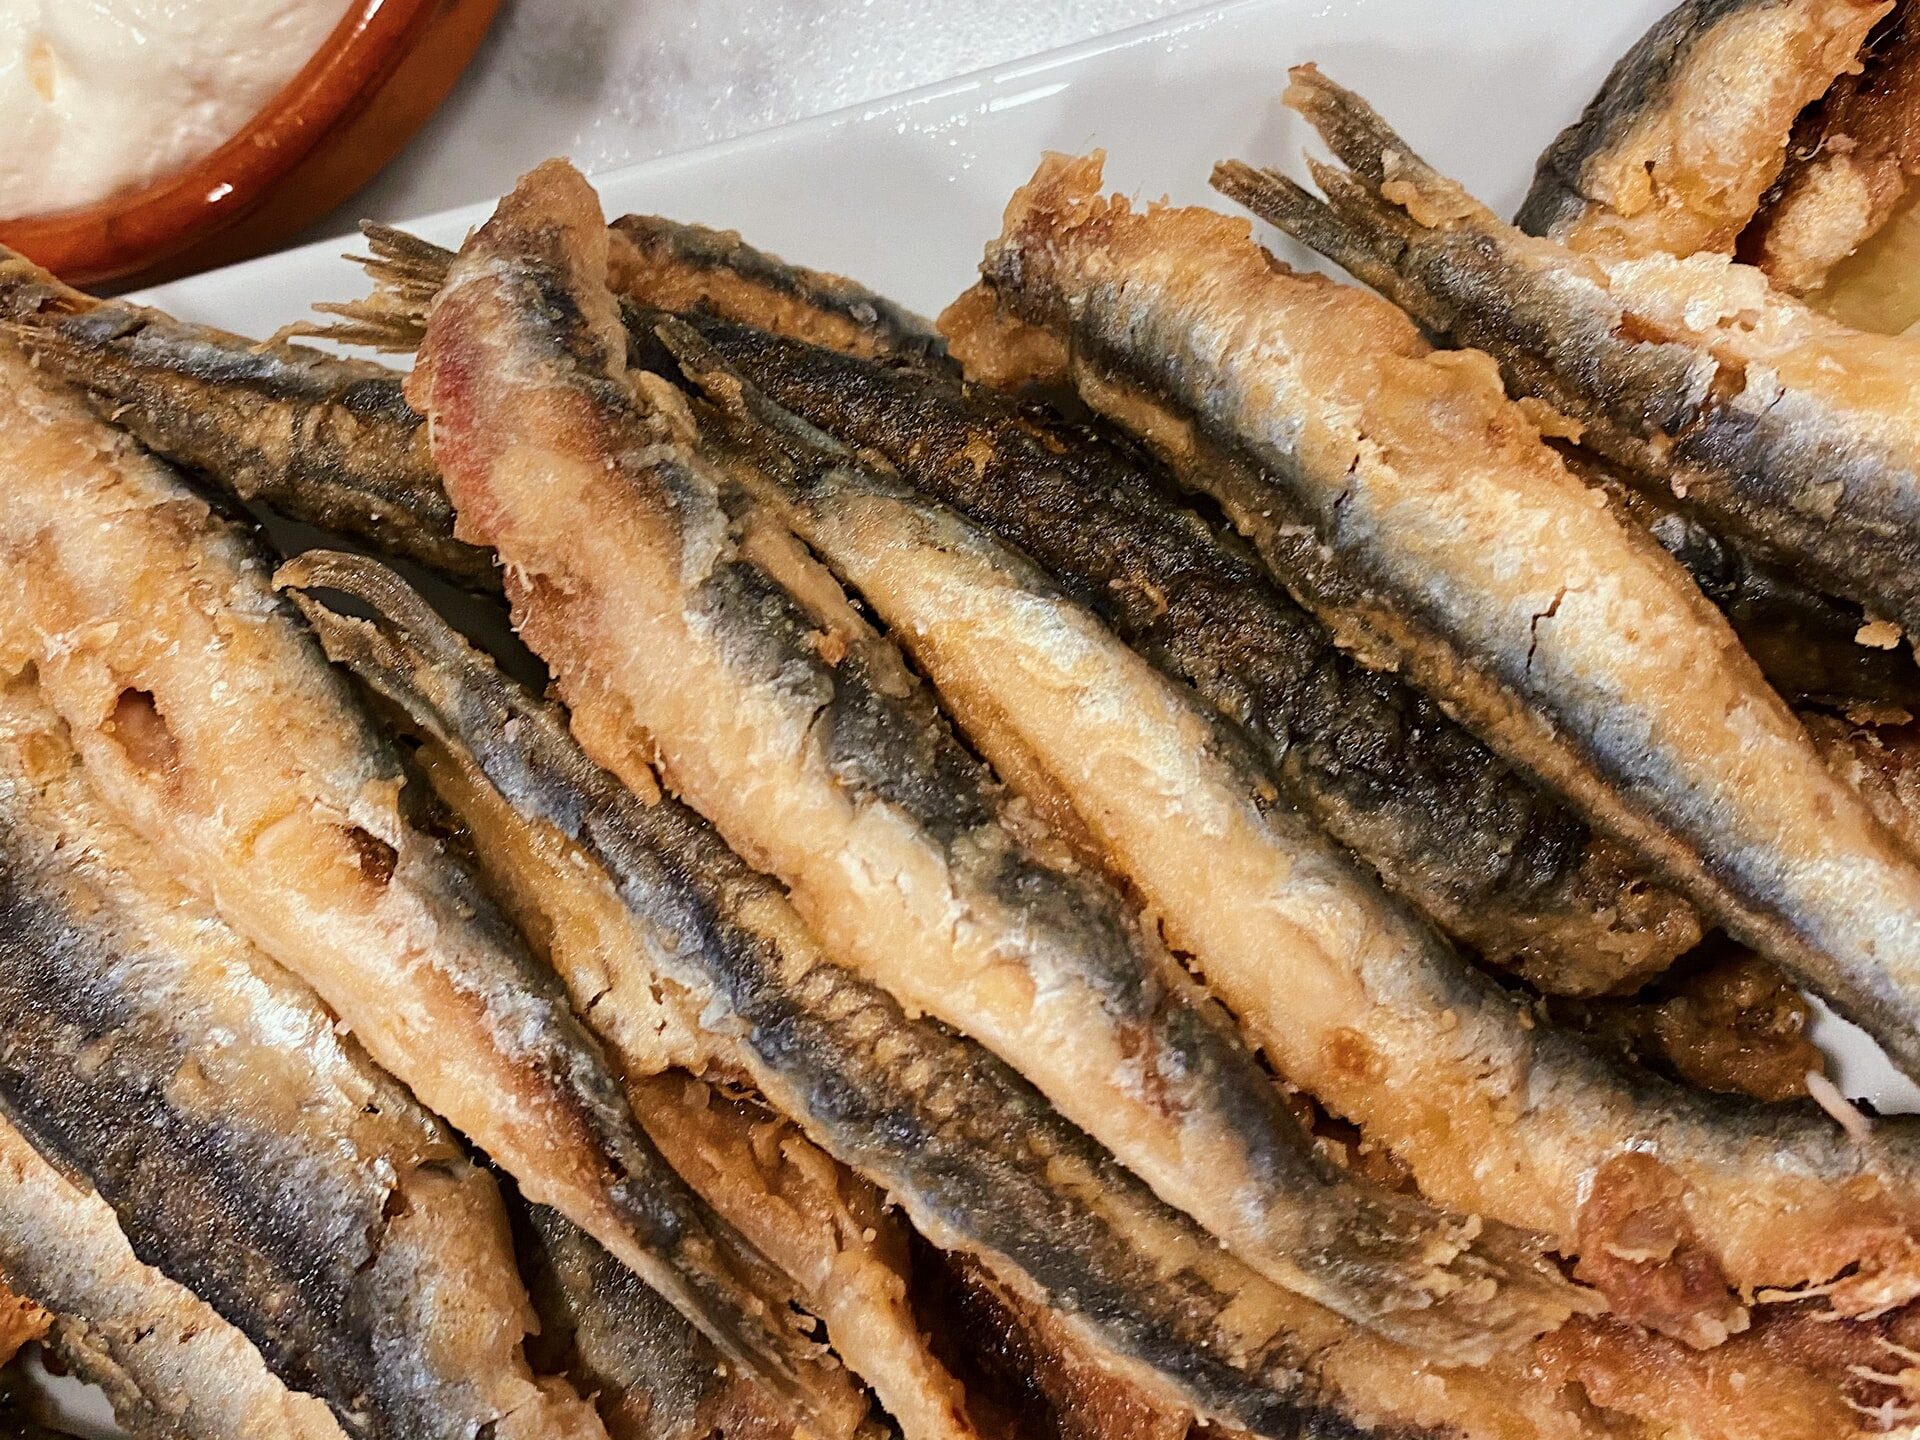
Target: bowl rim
x,y
145,226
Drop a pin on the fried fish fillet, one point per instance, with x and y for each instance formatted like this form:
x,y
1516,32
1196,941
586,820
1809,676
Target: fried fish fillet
x,y
1692,125
209,721
249,1152
982,1164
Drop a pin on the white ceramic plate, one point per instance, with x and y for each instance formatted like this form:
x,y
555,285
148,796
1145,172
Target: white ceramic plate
x,y
903,193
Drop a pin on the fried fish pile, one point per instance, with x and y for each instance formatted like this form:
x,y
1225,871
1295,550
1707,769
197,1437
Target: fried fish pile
x,y
1198,847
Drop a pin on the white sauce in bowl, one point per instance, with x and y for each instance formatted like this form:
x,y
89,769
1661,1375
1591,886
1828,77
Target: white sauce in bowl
x,y
99,97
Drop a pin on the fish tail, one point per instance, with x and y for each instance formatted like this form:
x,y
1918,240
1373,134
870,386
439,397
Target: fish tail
x,y
1354,131
407,272
1352,226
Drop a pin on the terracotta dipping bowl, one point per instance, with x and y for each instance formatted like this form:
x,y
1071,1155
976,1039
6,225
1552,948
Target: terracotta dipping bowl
x,y
384,69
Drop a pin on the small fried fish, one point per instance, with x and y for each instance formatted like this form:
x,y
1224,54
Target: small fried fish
x,y
209,721
172,1368
316,438
979,1160
1350,996
1692,125
1398,492
249,1151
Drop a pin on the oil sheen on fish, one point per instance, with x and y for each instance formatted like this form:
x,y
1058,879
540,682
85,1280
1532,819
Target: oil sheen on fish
x,y
248,1151
1491,857
1401,494
979,1160
1850,166
830,767
317,438
1691,127
655,1376
208,719
1353,999
173,1369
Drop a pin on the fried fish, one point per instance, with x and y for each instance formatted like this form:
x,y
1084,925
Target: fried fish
x,y
804,738
1350,996
172,1368
209,721
249,1151
979,1160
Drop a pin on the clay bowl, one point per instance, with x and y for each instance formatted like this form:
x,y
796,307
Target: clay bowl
x,y
376,79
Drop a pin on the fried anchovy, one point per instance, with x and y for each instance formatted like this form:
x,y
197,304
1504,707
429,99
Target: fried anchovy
x,y
1488,855
248,1151
1807,644
172,1368
834,771
1503,586
210,721
655,1376
1351,996
824,1228
675,266
1850,165
980,1161
1779,428
1691,126
1791,863
317,438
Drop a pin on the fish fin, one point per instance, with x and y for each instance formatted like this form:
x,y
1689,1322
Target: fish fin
x,y
407,273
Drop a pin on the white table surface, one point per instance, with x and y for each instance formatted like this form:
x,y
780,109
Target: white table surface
x,y
610,82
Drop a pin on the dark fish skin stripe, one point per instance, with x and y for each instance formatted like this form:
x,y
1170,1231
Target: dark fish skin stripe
x,y
655,1375
85,1075
957,1136
316,438
1638,84
1449,825
884,327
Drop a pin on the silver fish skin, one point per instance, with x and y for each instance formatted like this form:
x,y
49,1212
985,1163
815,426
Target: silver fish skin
x,y
1400,493
327,441
210,722
1692,126
1807,644
1301,947
835,768
172,1368
980,1161
248,1150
